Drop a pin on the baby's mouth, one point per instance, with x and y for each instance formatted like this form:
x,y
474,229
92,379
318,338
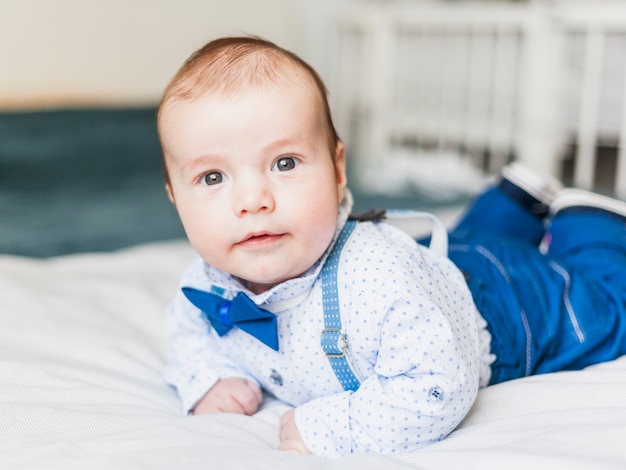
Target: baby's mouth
x,y
260,239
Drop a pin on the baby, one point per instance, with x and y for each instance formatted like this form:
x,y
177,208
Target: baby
x,y
375,340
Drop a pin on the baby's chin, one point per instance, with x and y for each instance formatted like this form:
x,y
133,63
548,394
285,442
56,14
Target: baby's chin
x,y
259,286
263,285
256,287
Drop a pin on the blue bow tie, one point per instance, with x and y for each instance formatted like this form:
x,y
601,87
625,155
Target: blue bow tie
x,y
241,312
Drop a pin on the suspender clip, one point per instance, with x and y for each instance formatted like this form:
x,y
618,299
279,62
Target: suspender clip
x,y
333,342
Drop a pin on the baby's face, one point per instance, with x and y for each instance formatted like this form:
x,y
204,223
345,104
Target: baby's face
x,y
253,180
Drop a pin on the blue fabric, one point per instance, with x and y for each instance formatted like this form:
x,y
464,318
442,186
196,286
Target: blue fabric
x,y
565,309
241,312
496,213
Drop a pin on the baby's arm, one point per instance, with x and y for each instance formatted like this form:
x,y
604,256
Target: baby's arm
x,y
231,395
423,382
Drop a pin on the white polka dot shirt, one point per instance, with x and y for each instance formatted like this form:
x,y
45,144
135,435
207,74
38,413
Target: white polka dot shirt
x,y
415,336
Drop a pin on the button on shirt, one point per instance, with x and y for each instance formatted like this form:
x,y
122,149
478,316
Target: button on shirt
x,y
415,336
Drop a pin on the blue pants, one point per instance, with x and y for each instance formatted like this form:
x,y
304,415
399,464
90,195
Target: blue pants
x,y
562,310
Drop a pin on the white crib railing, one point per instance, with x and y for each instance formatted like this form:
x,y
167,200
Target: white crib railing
x,y
494,82
600,97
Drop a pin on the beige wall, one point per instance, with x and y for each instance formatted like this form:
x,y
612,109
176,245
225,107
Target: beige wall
x,y
59,52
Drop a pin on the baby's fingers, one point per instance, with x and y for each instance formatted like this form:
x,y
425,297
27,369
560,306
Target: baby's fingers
x,y
249,398
290,439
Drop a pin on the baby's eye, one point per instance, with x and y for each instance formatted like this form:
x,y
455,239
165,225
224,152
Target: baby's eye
x,y
214,177
285,164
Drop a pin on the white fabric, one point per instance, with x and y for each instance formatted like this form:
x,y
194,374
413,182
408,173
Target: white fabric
x,y
82,350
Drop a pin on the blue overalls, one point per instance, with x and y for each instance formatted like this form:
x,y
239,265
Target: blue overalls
x,y
562,310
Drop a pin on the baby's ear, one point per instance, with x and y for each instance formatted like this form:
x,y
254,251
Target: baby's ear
x,y
170,194
340,168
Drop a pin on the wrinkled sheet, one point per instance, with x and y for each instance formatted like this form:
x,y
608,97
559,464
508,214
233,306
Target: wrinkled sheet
x,y
82,348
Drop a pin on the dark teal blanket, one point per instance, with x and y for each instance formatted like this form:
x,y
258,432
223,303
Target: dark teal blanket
x,y
81,180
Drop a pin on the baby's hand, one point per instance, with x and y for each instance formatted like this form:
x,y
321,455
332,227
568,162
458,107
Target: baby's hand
x,y
232,395
290,439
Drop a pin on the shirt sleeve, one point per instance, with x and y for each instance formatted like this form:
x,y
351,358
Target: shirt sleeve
x,y
195,362
425,378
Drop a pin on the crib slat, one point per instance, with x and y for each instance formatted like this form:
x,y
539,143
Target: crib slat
x,y
503,109
587,131
620,173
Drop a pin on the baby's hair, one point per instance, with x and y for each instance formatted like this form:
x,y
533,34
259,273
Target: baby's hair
x,y
228,65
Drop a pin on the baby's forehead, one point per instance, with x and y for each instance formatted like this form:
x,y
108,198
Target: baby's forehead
x,y
240,90
219,79
298,99
283,75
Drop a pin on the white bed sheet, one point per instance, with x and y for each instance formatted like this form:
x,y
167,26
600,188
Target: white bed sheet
x,y
82,348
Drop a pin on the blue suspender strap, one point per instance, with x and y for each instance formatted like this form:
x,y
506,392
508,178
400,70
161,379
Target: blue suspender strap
x,y
333,341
